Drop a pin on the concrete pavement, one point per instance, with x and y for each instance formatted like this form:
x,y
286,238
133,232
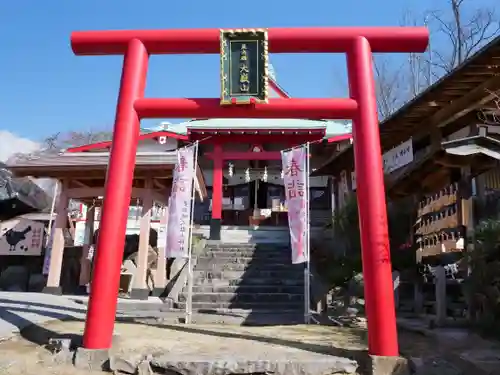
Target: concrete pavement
x,y
19,310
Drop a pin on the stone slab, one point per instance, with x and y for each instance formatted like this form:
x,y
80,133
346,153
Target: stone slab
x,y
91,359
210,349
124,365
332,365
380,365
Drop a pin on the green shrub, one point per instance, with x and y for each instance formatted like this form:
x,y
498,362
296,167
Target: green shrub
x,y
482,287
339,261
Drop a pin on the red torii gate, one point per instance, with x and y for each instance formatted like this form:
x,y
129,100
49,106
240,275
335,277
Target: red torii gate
x,y
357,42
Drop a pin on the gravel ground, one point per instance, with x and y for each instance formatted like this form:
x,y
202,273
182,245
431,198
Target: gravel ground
x,y
24,355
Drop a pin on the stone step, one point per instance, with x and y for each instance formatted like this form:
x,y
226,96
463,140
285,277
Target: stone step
x,y
219,267
267,239
215,288
260,316
247,246
232,317
281,241
253,306
282,255
223,246
203,259
248,274
252,281
270,298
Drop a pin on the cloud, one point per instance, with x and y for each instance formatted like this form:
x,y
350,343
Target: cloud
x,y
11,144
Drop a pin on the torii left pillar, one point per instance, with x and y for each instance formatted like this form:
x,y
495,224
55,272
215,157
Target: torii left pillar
x,y
117,191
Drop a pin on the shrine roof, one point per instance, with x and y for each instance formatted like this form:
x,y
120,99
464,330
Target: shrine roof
x,y
331,128
462,97
41,165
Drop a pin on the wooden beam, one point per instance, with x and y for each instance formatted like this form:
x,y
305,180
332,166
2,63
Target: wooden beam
x,y
283,137
79,183
160,197
460,107
247,155
57,250
158,184
98,192
140,285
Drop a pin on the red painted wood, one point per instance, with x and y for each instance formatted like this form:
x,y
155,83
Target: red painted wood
x,y
281,40
308,109
285,139
217,182
245,155
107,144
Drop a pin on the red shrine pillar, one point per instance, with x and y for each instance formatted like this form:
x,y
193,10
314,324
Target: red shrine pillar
x,y
377,270
110,244
216,221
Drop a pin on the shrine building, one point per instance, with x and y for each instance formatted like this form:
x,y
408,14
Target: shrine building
x,y
241,164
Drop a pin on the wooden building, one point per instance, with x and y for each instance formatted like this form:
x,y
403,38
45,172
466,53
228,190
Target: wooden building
x,y
443,146
81,177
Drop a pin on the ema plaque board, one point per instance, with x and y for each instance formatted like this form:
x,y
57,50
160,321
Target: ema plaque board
x,y
244,66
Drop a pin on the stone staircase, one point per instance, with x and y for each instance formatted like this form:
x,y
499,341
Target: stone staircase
x,y
246,235
249,277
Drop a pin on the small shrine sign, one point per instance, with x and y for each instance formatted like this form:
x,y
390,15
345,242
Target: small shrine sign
x,y
244,66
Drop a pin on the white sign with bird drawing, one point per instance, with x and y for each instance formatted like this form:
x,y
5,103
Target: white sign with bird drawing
x,y
21,237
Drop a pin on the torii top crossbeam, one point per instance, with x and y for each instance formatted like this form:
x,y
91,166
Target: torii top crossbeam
x,y
281,40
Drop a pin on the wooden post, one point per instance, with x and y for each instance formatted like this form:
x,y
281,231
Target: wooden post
x,y
418,298
57,250
160,280
140,288
466,219
322,305
396,279
440,285
85,263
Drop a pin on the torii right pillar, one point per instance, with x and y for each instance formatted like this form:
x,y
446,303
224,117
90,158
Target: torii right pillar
x,y
377,268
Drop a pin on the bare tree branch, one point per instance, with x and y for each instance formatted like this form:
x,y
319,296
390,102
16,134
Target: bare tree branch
x,y
60,141
465,31
388,86
457,32
491,115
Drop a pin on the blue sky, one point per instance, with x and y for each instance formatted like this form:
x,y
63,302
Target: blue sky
x,y
44,88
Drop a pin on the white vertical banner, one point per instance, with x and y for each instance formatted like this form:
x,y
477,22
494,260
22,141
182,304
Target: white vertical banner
x,y
179,208
162,229
189,305
295,179
50,232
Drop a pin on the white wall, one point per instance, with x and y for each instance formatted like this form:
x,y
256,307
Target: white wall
x,y
164,144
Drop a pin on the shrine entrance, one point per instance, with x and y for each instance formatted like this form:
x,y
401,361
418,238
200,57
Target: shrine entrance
x,y
255,168
244,85
256,204
241,160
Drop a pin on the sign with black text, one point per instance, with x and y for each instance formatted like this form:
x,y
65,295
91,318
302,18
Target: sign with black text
x,y
244,66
